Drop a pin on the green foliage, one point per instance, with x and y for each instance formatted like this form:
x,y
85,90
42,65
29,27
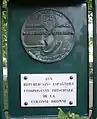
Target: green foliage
x,y
90,8
62,115
91,41
91,70
4,30
90,4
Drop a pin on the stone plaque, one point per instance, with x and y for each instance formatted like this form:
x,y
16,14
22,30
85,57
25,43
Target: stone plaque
x,y
48,90
48,35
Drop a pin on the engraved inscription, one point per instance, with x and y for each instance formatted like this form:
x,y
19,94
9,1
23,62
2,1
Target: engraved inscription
x,y
52,90
48,35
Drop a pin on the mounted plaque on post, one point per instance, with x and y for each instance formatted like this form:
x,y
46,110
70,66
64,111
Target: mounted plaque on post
x,y
47,58
50,90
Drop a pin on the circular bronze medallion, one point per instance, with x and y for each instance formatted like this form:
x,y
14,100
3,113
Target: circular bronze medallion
x,y
48,35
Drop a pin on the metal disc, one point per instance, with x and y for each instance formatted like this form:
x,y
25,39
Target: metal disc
x,y
48,35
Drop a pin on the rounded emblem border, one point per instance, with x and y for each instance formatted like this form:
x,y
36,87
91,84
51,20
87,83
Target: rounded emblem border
x,y
32,55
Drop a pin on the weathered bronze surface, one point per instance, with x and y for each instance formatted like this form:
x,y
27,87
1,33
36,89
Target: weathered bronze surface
x,y
48,35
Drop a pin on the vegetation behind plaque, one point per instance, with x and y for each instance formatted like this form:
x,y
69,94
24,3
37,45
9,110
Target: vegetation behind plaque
x,y
68,115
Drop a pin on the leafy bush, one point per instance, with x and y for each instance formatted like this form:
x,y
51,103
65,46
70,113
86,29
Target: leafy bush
x,y
62,115
91,70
